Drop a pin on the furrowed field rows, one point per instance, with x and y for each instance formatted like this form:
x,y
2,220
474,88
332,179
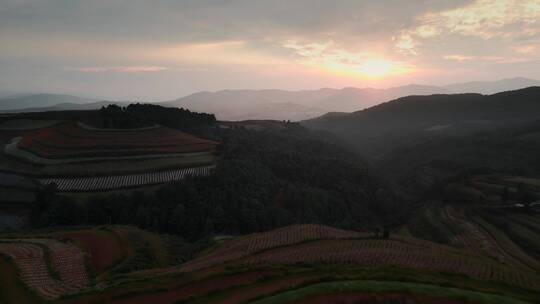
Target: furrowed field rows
x,y
68,261
261,241
103,183
70,140
321,244
475,238
377,253
247,245
29,257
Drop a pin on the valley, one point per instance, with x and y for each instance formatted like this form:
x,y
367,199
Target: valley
x,y
138,205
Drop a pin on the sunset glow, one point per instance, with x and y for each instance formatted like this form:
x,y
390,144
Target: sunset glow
x,y
186,46
366,68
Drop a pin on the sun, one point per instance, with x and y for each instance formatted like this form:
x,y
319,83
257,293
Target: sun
x,y
375,67
365,67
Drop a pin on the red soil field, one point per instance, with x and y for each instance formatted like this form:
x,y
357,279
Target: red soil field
x,y
104,248
33,271
197,288
393,253
70,140
382,298
244,246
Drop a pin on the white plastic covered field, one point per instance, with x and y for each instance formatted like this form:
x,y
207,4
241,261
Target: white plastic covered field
x,y
104,183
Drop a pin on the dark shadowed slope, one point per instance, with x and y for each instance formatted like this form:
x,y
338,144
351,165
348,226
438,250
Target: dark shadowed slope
x,y
380,129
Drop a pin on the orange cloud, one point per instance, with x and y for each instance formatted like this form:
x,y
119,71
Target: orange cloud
x,y
329,57
485,19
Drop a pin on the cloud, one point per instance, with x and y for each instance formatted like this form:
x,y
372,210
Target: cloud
x,y
464,58
120,69
329,56
458,57
491,21
207,44
405,44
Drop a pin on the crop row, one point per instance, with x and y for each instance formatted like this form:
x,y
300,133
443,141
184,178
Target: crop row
x,y
104,183
72,135
51,152
377,253
251,244
475,238
69,140
66,260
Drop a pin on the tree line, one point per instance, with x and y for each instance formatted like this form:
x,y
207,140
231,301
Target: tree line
x,y
263,180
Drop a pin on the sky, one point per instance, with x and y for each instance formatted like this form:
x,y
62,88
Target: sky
x,y
163,49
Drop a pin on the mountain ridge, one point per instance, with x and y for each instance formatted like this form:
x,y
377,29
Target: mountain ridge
x,y
272,103
378,129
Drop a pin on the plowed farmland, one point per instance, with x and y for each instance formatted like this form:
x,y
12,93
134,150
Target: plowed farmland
x,y
71,140
301,263
38,264
78,158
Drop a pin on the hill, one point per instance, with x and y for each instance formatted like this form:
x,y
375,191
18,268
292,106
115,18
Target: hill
x,y
382,128
492,87
268,104
79,157
299,105
290,105
40,101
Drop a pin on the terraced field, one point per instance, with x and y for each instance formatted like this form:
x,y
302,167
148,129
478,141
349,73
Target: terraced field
x,y
295,264
313,244
245,246
78,158
70,140
32,258
382,253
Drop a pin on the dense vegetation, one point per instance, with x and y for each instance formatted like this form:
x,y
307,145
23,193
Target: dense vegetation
x,y
140,115
264,179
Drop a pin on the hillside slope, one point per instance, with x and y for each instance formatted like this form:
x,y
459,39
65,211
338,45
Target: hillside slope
x,y
380,129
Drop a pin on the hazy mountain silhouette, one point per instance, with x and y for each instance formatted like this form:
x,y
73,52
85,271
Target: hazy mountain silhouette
x,y
297,105
272,104
39,101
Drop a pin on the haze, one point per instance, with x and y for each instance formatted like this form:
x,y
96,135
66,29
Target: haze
x,y
159,50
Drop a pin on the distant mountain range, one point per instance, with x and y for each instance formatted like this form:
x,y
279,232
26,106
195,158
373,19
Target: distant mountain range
x,y
271,104
38,101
